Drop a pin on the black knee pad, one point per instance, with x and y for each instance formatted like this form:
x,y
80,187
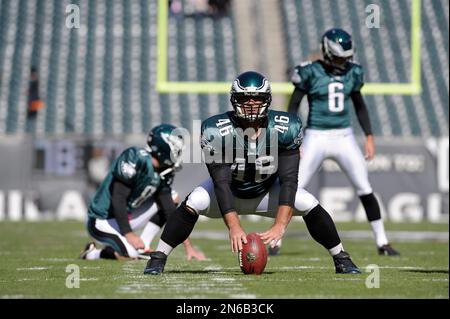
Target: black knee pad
x,y
371,207
322,228
179,226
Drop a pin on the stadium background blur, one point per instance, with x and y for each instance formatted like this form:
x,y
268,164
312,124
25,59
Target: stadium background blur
x,y
82,80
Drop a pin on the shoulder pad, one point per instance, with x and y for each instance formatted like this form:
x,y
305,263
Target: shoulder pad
x,y
126,165
214,129
358,76
305,63
212,121
289,127
300,75
355,67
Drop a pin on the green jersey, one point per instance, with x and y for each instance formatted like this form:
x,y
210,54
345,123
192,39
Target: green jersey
x,y
134,168
328,95
253,161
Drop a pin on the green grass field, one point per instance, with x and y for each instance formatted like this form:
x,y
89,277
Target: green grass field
x,y
34,257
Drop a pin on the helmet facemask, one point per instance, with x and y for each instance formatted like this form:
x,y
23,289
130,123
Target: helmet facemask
x,y
176,145
167,147
251,96
251,107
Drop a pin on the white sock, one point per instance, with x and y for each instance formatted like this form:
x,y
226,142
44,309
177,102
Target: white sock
x,y
378,231
336,250
94,254
164,247
149,232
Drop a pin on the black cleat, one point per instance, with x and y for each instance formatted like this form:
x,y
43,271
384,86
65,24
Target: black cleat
x,y
275,251
89,247
387,250
344,264
155,266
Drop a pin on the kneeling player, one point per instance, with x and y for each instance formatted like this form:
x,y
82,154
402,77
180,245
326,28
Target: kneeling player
x,y
252,155
136,194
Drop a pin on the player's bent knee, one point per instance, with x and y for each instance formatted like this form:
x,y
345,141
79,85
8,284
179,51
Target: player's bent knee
x,y
199,200
304,202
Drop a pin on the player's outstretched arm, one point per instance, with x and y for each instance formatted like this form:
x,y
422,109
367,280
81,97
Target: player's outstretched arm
x,y
192,252
221,176
296,99
120,192
364,121
288,162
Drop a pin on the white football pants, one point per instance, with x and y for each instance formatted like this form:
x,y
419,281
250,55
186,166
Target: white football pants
x,y
339,145
203,201
107,231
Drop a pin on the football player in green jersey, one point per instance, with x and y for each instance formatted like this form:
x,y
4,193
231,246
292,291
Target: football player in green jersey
x,y
331,85
136,194
252,155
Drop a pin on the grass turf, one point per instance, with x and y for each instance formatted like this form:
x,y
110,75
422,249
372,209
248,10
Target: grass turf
x,y
35,256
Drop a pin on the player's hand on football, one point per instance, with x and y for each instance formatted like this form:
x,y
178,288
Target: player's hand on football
x,y
369,148
237,237
134,240
273,235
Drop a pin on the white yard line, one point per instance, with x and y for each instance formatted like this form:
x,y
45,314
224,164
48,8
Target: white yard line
x,y
362,268
57,259
400,236
224,285
34,268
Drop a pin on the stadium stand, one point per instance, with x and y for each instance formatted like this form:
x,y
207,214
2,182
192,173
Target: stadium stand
x,y
99,79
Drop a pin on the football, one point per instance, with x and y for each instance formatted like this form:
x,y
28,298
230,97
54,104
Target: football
x,y
253,256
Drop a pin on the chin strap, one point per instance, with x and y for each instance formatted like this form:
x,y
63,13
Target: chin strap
x,y
175,168
165,172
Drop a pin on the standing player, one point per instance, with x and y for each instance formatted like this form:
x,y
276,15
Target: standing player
x,y
135,194
252,156
330,84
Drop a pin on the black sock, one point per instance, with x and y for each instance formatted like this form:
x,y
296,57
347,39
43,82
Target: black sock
x,y
159,219
107,253
322,228
371,207
179,226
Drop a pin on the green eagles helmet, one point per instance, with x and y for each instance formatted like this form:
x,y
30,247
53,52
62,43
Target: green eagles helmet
x,y
337,48
165,146
255,86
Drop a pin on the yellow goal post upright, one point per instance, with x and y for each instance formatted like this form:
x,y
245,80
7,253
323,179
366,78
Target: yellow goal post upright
x,y
164,86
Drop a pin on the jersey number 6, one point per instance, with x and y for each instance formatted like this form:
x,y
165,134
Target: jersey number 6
x,y
335,99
